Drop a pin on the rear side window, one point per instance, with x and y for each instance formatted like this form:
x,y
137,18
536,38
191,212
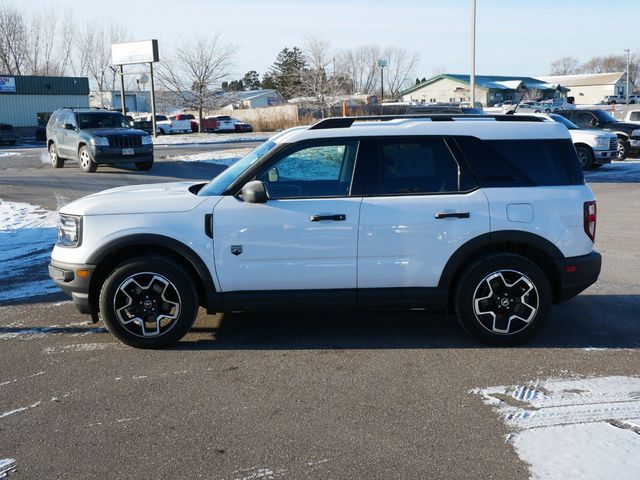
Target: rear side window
x,y
635,116
517,163
413,166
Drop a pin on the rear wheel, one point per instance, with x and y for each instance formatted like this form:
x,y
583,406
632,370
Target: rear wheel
x,y
148,302
86,160
54,158
503,299
585,155
144,165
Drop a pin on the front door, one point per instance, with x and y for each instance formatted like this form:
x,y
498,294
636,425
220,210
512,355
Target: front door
x,y
302,243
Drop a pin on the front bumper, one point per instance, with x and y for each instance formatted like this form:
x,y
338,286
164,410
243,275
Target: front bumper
x,y
601,157
113,155
69,278
576,274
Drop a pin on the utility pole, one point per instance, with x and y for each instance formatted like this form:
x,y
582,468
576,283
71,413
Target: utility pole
x,y
627,51
382,63
472,77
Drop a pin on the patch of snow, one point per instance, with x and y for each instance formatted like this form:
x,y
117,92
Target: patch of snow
x,y
9,154
27,236
256,473
18,410
222,157
203,138
17,329
627,171
7,465
575,428
79,347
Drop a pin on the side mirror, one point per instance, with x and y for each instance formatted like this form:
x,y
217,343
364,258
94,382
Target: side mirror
x,y
68,126
254,192
273,174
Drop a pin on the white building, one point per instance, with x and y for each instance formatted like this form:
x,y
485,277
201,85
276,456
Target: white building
x,y
136,101
591,88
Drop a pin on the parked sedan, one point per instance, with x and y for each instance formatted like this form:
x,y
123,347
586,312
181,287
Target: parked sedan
x,y
8,134
242,127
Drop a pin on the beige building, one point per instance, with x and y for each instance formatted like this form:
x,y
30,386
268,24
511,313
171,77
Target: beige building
x,y
591,88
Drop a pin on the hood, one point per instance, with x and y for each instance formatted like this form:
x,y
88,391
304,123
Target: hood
x,y
155,198
101,132
621,126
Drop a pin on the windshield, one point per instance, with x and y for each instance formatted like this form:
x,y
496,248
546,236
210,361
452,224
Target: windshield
x,y
567,123
102,120
219,184
603,116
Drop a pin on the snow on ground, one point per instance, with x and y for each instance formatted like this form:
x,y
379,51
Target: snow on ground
x,y
27,236
220,157
8,154
7,465
627,171
575,428
212,138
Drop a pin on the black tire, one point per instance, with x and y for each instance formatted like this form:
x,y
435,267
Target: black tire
x,y
54,158
85,159
585,155
596,165
623,149
144,165
157,284
497,288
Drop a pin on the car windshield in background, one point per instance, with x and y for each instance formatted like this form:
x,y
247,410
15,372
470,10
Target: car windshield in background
x,y
567,123
219,184
102,120
604,116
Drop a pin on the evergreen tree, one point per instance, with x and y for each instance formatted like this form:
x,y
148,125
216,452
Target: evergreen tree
x,y
251,80
287,72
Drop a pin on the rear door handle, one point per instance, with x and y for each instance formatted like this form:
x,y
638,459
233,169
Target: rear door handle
x,y
336,218
441,215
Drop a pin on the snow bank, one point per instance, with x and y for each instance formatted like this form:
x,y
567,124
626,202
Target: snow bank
x,y
212,138
27,235
576,428
627,171
221,157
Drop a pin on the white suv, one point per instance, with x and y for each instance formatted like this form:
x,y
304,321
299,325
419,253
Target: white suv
x,y
488,215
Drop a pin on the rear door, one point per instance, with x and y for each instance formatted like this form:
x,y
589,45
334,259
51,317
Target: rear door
x,y
420,205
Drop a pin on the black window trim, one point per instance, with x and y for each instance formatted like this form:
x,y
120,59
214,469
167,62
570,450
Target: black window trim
x,y
278,154
453,149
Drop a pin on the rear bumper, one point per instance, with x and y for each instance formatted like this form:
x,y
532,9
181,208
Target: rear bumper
x,y
576,274
66,277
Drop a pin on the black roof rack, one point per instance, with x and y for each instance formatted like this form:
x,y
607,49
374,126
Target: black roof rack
x,y
346,122
84,108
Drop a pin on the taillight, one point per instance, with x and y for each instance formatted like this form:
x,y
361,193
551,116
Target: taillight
x,y
590,220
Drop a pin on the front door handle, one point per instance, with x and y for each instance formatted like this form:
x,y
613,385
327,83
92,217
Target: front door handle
x,y
441,215
336,218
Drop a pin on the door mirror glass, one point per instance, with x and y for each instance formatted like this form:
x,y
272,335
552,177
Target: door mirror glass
x,y
273,174
254,192
68,126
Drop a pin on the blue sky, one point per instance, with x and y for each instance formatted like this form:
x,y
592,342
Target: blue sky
x,y
513,37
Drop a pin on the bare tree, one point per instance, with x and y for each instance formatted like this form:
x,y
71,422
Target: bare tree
x,y
13,40
194,69
323,89
564,66
360,66
399,70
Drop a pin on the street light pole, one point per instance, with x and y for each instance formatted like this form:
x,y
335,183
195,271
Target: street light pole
x,y
382,63
627,51
472,77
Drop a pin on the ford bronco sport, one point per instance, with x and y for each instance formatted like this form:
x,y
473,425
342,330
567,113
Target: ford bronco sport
x,y
489,216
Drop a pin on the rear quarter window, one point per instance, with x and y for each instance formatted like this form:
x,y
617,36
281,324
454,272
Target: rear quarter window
x,y
517,163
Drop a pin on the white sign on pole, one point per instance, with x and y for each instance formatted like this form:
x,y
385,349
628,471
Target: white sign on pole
x,y
7,85
145,51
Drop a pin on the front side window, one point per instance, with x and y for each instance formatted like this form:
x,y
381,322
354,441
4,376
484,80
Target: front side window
x,y
414,166
320,170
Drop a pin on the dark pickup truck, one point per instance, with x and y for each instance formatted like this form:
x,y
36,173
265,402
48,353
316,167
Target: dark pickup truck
x,y
628,133
96,136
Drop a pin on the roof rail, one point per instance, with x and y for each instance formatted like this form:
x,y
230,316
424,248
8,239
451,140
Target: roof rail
x,y
84,108
346,122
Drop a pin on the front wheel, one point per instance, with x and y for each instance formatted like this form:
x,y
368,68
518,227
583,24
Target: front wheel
x,y
503,299
144,165
149,302
585,155
86,160
623,149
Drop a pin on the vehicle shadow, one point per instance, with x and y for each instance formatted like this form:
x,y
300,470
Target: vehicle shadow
x,y
588,321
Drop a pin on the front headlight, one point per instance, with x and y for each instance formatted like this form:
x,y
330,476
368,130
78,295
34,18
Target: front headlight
x,y
602,142
69,230
146,140
100,141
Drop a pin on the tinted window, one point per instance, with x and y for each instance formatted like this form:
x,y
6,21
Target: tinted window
x,y
414,166
102,120
312,171
70,119
635,116
584,119
512,163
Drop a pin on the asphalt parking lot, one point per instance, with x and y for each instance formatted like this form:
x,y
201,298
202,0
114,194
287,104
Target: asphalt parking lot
x,y
297,395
